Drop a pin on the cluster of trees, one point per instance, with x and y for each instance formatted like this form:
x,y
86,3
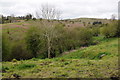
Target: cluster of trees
x,y
52,40
12,18
56,39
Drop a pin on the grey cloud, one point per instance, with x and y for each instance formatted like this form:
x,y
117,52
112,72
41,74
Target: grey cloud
x,y
70,8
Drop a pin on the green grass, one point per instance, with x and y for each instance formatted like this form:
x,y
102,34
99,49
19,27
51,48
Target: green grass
x,y
25,66
83,63
109,47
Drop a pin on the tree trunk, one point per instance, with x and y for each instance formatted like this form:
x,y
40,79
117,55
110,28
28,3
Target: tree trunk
x,y
49,48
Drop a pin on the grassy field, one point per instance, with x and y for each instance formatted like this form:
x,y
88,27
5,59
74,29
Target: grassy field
x,y
81,63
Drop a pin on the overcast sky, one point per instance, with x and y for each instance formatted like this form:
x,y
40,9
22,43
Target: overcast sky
x,y
69,8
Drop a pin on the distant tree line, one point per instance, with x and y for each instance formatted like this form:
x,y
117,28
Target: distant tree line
x,y
12,18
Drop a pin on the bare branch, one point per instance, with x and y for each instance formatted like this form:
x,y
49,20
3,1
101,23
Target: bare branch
x,y
48,12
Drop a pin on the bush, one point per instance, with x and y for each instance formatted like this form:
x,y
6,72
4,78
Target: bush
x,y
85,37
95,31
19,51
109,30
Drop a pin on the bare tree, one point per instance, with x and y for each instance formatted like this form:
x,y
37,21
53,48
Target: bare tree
x,y
58,16
37,15
49,12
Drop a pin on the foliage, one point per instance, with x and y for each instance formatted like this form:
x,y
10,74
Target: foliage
x,y
110,30
85,36
95,31
33,40
19,51
29,16
5,47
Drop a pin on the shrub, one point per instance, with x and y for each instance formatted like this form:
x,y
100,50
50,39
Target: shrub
x,y
109,30
85,36
95,31
19,51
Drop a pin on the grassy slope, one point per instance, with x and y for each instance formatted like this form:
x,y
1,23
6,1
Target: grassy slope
x,y
82,64
106,46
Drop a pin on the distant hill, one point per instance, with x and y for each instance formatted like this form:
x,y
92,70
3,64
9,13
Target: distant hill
x,y
84,22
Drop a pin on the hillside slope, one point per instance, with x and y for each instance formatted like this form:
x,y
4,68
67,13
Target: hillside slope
x,y
109,47
84,63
